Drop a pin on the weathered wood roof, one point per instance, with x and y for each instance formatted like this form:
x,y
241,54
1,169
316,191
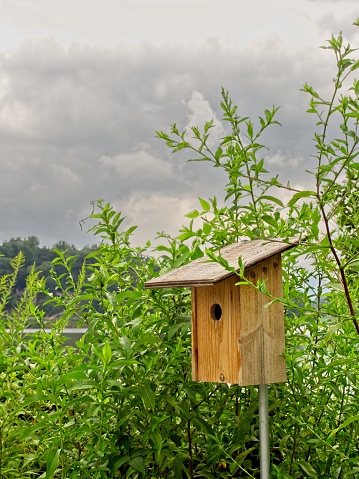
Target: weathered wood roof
x,y
202,272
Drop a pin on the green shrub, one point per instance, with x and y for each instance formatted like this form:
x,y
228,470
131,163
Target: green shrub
x,y
121,403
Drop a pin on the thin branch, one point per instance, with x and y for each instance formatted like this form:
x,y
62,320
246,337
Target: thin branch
x,y
340,266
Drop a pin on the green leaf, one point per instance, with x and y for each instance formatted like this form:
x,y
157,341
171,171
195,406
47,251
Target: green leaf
x,y
173,330
192,214
137,463
203,425
197,253
69,377
157,441
315,230
205,205
307,468
131,229
84,384
336,287
249,129
207,228
218,154
147,396
335,389
270,220
126,345
185,236
345,424
299,195
273,199
180,260
107,354
339,362
31,429
122,460
52,462
208,125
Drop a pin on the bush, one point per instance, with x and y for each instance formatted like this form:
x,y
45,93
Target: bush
x,y
121,403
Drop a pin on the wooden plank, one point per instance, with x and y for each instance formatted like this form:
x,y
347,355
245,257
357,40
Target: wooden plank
x,y
202,272
194,336
274,334
251,338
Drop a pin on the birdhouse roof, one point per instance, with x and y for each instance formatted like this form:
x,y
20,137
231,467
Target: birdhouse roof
x,y
205,272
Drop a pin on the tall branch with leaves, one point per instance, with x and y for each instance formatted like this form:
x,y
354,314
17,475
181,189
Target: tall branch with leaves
x,y
337,156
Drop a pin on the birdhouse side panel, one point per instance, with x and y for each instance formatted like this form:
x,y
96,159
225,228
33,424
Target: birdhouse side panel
x,y
262,342
250,340
274,332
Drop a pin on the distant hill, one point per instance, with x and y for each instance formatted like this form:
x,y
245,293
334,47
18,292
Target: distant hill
x,y
42,258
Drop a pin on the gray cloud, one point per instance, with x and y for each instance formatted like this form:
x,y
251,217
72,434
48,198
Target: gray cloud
x,y
78,124
329,23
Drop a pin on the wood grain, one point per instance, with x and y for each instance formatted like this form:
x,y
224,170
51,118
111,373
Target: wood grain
x,y
246,345
202,272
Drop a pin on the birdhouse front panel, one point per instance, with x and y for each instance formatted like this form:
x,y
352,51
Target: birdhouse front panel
x,y
235,338
215,332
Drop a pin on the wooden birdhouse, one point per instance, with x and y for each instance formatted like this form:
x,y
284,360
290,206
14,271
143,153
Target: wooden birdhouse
x,y
235,338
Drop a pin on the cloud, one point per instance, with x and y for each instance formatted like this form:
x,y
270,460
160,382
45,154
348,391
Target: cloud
x,y
78,123
329,23
199,111
137,168
157,213
282,159
156,21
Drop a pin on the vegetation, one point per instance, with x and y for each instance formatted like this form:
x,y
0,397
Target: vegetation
x,y
121,404
42,259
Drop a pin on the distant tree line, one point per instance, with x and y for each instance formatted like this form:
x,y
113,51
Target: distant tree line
x,y
41,257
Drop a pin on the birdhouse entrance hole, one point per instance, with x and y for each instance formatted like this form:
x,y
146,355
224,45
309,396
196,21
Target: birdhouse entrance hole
x,y
216,311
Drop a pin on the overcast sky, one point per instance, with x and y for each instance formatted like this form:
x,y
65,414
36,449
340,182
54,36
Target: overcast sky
x,y
84,85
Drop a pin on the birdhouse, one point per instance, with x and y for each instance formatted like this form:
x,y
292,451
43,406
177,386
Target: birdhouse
x,y
236,337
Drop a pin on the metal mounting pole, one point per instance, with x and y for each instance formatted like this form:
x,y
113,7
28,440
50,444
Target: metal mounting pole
x,y
264,431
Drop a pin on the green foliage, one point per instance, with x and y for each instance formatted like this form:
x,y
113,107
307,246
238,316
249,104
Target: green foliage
x,y
42,258
121,403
